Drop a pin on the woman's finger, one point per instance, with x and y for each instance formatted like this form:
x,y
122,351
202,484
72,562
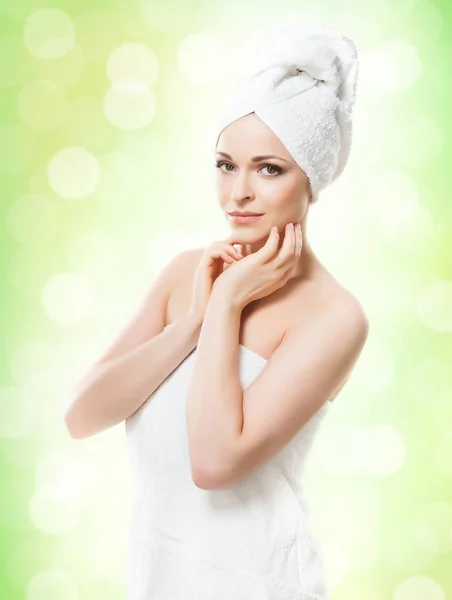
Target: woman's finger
x,y
271,245
298,241
286,251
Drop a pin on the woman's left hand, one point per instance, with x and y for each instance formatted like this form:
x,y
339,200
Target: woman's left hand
x,y
264,271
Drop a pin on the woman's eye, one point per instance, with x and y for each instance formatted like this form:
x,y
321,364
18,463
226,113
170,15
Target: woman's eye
x,y
225,164
272,167
219,165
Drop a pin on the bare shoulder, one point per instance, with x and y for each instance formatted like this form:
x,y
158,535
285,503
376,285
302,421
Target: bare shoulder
x,y
180,281
343,304
327,300
338,321
193,255
331,294
342,318
184,262
350,307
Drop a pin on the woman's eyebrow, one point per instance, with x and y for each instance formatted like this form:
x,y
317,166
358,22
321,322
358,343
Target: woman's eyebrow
x,y
256,158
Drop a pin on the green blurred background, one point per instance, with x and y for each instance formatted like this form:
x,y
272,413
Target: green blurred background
x,y
106,168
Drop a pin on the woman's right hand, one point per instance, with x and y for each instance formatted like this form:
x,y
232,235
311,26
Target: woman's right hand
x,y
208,270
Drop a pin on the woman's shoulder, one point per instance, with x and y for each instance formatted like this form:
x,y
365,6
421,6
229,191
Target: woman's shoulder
x,y
184,260
325,293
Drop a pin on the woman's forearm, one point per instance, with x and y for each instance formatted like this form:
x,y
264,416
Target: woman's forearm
x,y
114,390
215,395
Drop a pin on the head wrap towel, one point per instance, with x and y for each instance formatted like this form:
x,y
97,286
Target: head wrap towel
x,y
303,87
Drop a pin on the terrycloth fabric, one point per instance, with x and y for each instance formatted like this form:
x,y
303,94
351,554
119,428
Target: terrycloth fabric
x,y
253,540
303,86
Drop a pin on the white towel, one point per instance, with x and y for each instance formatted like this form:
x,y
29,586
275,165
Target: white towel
x,y
303,87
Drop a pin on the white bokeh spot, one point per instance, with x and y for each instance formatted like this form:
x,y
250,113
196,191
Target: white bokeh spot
x,y
52,512
73,173
131,109
392,66
419,587
49,33
52,583
132,67
69,477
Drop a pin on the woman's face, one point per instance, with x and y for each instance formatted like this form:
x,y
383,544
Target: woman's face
x,y
276,187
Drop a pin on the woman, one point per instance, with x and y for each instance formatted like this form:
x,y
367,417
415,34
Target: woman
x,y
218,436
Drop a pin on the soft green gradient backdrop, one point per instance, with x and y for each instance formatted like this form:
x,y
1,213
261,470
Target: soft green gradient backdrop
x,y
106,172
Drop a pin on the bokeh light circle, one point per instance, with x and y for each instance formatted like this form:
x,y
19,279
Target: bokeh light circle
x,y
129,110
52,512
52,583
73,173
49,33
132,67
391,66
419,587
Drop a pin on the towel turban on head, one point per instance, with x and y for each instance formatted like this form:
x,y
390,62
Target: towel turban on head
x,y
303,87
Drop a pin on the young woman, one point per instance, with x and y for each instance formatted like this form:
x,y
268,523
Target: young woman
x,y
231,362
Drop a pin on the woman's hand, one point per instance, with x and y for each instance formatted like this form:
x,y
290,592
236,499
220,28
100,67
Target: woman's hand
x,y
264,271
209,268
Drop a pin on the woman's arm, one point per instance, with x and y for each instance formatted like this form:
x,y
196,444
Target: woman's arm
x,y
113,390
215,397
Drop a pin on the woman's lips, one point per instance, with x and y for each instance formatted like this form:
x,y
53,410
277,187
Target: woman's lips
x,y
245,220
